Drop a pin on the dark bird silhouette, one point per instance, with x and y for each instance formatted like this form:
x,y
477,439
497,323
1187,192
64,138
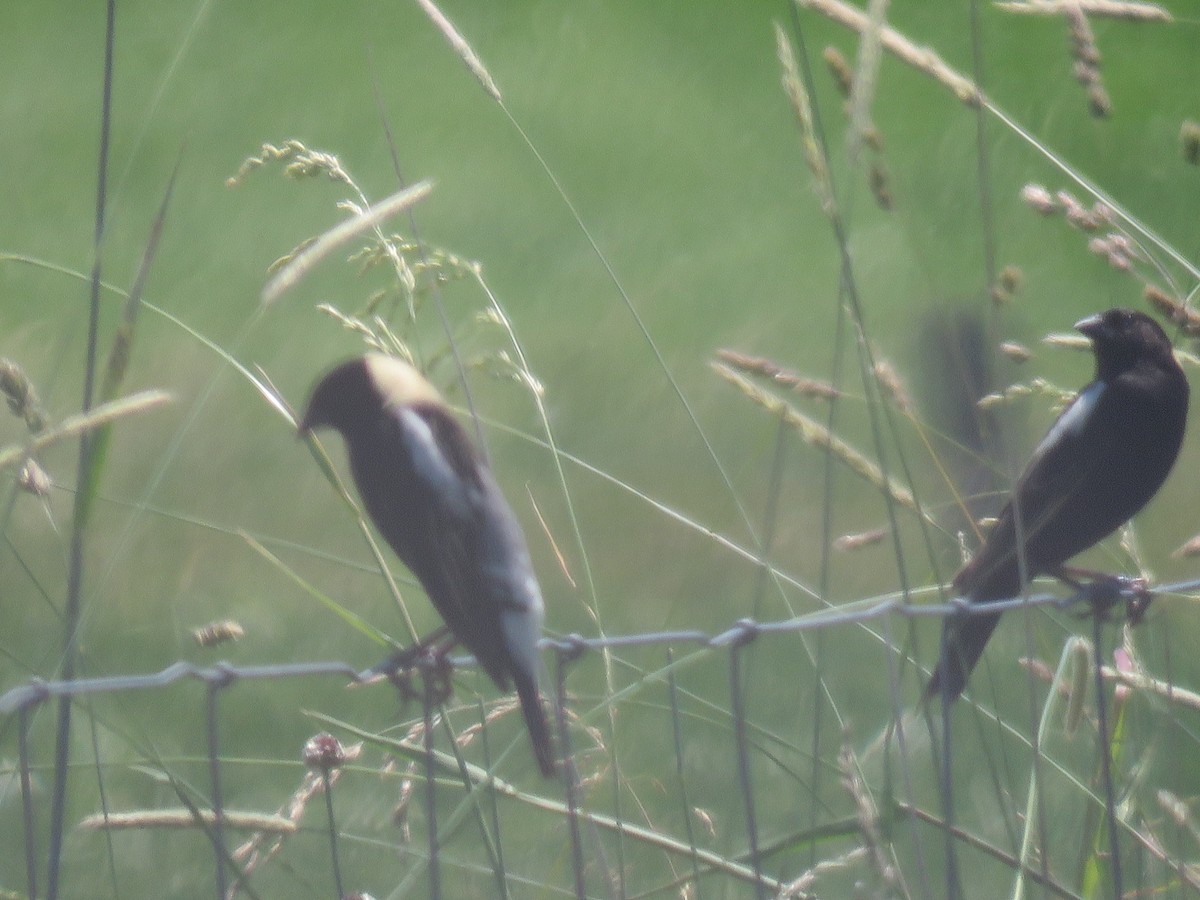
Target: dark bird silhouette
x,y
434,500
1102,460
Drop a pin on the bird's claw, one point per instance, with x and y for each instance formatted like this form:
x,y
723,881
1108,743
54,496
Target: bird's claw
x,y
1104,592
430,658
436,669
1140,601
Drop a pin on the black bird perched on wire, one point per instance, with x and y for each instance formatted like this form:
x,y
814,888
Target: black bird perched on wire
x,y
434,500
1102,460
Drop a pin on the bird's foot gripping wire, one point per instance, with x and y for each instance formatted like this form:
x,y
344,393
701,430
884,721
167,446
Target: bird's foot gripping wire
x,y
432,663
1103,592
430,658
1139,602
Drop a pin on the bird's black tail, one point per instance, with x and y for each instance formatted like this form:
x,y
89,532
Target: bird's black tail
x,y
535,721
963,640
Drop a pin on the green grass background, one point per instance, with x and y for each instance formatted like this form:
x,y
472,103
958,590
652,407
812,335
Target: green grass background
x,y
668,130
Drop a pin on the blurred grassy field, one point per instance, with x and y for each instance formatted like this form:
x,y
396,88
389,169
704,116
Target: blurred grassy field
x,y
670,135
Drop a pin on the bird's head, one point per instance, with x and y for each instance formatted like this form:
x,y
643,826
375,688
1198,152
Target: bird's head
x,y
1123,337
362,388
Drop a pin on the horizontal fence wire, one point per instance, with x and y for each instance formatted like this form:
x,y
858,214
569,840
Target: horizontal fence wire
x,y
37,691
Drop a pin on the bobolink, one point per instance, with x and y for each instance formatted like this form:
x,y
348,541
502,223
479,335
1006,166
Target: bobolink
x,y
434,500
1101,461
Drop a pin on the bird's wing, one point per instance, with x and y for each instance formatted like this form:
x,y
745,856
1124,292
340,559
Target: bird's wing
x,y
1062,469
1048,496
442,471
1068,429
450,497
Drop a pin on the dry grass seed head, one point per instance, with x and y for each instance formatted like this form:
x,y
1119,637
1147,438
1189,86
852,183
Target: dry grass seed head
x,y
1039,199
301,163
921,58
325,752
1015,351
794,381
1037,668
1128,10
843,75
460,46
1098,101
796,92
21,395
889,379
850,542
1186,319
220,632
1008,282
881,188
1188,548
817,435
32,479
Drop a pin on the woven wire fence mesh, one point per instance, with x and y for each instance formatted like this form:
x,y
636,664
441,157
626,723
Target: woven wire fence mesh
x,y
458,795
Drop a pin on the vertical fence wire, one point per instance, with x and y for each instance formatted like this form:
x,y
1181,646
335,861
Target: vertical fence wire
x,y
1103,740
214,773
685,802
946,778
27,802
570,775
616,875
499,866
738,711
428,701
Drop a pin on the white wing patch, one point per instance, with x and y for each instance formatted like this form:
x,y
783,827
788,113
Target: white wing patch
x,y
430,464
1072,422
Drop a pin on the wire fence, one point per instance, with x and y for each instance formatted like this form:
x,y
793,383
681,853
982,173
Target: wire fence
x,y
876,835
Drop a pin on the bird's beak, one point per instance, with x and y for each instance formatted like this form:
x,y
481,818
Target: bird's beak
x,y
1092,326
